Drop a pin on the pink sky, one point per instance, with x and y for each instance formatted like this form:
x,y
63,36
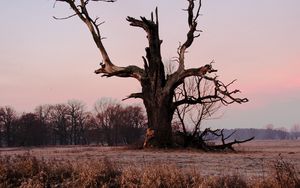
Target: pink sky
x,y
45,61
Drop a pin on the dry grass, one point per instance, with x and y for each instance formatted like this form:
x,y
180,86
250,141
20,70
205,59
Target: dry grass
x,y
253,159
261,164
28,171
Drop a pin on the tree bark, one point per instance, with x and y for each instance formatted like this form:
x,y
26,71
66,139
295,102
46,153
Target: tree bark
x,y
160,113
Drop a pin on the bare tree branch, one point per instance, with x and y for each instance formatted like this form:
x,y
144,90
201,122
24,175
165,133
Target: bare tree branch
x,y
192,21
134,95
64,18
230,144
224,145
108,69
221,93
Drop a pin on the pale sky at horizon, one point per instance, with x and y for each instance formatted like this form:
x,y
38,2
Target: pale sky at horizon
x,y
257,42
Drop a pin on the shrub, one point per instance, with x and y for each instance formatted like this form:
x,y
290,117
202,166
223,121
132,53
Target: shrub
x,y
285,174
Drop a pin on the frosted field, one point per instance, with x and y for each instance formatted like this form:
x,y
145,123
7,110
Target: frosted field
x,y
251,159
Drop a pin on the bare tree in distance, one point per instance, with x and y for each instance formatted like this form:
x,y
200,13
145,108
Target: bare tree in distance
x,y
107,117
43,113
118,124
7,118
295,131
31,131
59,117
158,89
102,104
77,115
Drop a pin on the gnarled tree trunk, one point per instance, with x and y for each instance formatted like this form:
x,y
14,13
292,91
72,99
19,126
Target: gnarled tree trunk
x,y
160,114
157,88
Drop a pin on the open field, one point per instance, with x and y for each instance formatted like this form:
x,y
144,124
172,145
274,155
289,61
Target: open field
x,y
251,159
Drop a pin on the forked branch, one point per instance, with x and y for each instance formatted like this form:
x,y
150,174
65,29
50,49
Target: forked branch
x,y
180,74
108,69
191,34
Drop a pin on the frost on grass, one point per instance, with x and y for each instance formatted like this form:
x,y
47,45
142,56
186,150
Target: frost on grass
x,y
28,171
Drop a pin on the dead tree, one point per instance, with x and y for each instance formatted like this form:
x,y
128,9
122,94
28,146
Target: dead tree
x,y
157,89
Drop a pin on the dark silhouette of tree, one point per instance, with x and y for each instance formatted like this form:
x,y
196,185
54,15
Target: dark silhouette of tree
x,y
109,123
158,88
30,131
117,124
77,117
43,113
91,133
104,119
8,119
60,122
133,123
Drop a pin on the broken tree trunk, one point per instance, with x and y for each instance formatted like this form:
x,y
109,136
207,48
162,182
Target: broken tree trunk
x,y
157,88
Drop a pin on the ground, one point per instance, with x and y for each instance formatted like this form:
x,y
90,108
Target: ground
x,y
254,158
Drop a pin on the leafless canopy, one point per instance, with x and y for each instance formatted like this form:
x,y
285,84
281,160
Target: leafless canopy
x,y
158,88
108,68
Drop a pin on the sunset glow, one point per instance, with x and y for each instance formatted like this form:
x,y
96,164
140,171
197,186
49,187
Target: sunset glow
x,y
46,61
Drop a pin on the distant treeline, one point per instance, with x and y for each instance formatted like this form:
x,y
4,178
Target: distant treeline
x,y
108,124
262,134
64,124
